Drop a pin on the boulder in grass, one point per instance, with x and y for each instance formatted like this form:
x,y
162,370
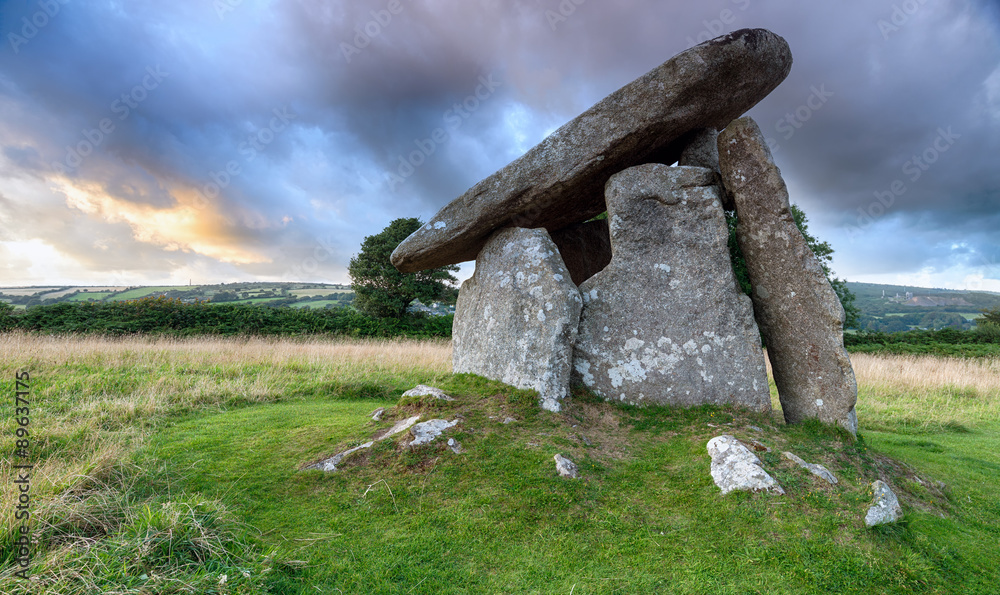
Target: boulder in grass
x,y
735,468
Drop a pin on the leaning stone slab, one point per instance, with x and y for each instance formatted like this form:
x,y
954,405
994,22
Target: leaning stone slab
x,y
422,390
735,468
561,180
817,470
885,506
330,465
429,430
400,427
665,322
800,315
516,318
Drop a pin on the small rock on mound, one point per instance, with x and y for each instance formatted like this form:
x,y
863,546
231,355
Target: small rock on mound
x,y
735,467
566,467
817,470
885,507
423,390
429,430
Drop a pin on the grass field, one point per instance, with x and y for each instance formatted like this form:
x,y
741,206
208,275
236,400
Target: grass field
x,y
90,295
134,294
168,466
318,305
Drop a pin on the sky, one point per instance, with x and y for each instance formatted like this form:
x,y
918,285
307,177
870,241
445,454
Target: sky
x,y
151,142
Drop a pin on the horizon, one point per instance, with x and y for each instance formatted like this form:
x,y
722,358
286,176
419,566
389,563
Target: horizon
x,y
148,144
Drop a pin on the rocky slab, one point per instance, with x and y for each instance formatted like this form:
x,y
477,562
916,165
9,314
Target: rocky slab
x,y
817,470
736,468
799,313
665,323
885,506
516,318
561,181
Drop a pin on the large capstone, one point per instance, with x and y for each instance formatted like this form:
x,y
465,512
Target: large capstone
x,y
561,180
664,322
516,318
799,313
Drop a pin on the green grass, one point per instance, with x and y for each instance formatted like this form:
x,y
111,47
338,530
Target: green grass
x,y
319,304
144,291
205,481
96,296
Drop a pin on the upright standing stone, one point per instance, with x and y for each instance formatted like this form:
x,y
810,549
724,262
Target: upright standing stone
x,y
799,314
516,319
664,323
561,180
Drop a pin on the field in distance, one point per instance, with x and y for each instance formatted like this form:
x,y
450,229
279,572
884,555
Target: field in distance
x,y
299,295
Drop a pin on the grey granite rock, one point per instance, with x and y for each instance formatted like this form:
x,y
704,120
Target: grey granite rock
x,y
817,470
585,248
427,431
885,506
665,323
566,467
800,315
736,468
400,427
422,390
330,465
561,180
516,318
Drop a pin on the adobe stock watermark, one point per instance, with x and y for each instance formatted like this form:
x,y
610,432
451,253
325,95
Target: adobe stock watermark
x,y
795,119
716,27
30,25
254,145
453,119
566,9
913,169
123,107
370,30
899,17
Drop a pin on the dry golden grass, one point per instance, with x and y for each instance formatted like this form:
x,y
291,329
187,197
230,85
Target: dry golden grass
x,y
927,390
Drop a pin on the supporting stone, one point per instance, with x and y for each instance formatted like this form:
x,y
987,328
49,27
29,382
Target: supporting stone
x,y
800,315
664,322
516,318
561,180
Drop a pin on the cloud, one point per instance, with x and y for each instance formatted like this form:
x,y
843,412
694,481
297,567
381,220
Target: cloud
x,y
182,182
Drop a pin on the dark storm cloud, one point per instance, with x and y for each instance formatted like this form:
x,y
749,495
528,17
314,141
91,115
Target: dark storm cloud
x,y
380,123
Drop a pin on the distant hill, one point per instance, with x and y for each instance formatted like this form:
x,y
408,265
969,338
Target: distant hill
x,y
894,308
296,295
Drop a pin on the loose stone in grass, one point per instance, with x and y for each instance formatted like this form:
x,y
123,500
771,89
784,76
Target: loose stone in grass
x,y
400,427
455,446
885,507
734,467
378,413
566,467
330,464
429,430
817,470
423,390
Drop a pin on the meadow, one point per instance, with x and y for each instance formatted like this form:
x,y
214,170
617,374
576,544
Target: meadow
x,y
167,465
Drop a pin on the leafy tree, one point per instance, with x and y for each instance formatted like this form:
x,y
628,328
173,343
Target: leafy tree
x,y
5,318
822,250
383,292
991,316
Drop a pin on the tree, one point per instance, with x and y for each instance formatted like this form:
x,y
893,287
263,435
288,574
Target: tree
x,y
822,250
991,316
383,292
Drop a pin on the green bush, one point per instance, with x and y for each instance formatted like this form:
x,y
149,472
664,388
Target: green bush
x,y
166,316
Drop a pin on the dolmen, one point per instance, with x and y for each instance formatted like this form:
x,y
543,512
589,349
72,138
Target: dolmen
x,y
642,306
